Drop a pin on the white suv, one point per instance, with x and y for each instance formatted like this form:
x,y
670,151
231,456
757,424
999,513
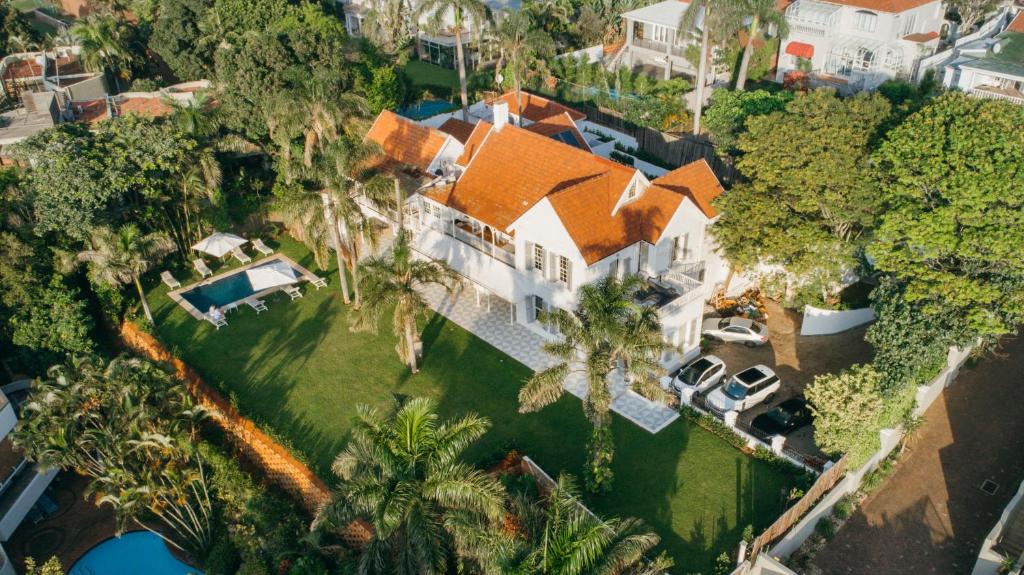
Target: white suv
x,y
700,374
746,389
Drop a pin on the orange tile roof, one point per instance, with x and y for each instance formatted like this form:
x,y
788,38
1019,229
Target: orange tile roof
x,y
152,107
406,141
536,108
457,129
893,6
557,124
921,37
695,181
91,111
472,144
1017,25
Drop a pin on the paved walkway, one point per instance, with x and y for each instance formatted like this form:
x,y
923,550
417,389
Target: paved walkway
x,y
931,516
524,345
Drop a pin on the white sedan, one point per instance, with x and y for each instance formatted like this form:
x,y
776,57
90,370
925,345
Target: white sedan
x,y
738,329
700,374
746,389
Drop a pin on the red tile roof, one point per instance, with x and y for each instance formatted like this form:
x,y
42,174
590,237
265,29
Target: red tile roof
x,y
514,168
1017,25
152,107
921,37
406,141
536,108
476,138
557,124
457,129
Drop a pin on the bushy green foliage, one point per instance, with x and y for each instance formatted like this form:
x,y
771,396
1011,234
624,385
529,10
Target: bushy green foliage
x,y
953,187
844,507
179,41
385,90
598,474
825,528
727,113
16,35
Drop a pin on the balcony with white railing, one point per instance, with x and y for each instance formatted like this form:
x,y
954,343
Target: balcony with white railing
x,y
990,92
650,44
812,18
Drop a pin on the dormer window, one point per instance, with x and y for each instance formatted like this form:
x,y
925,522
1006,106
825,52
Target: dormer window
x,y
633,191
865,21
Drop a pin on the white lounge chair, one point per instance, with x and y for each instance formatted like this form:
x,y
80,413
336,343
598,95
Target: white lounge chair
x,y
218,322
200,266
169,280
240,256
318,282
256,304
292,292
261,247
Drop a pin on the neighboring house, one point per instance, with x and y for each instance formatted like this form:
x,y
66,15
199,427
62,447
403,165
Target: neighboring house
x,y
22,482
856,45
527,217
991,67
435,44
152,104
654,42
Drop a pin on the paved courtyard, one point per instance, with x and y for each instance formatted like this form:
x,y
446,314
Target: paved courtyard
x,y
492,324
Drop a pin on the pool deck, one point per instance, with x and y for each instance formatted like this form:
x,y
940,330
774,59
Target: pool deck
x,y
176,296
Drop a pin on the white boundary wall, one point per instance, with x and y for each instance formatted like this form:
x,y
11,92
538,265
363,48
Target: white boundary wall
x,y
890,438
818,321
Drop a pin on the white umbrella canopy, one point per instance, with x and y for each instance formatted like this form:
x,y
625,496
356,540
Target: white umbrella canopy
x,y
271,275
219,243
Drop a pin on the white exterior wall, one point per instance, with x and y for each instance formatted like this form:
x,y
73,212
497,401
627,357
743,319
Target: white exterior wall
x,y
445,158
888,34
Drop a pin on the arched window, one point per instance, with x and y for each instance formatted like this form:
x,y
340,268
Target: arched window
x,y
865,21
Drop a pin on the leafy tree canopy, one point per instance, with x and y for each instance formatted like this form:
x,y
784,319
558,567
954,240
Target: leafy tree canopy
x,y
952,178
729,109
178,38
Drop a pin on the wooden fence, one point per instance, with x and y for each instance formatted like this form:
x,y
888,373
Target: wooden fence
x,y
788,519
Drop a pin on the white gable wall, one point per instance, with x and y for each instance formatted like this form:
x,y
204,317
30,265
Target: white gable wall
x,y
446,156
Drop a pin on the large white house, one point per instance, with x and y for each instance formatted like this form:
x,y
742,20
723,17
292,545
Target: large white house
x,y
858,44
528,214
654,41
991,66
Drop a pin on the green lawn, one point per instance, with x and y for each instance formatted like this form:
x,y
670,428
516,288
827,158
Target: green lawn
x,y
441,82
298,369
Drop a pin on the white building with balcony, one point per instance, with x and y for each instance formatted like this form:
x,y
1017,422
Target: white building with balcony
x,y
856,45
528,214
991,67
654,41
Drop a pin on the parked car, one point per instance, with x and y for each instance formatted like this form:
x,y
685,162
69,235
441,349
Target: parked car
x,y
784,418
700,374
739,329
746,389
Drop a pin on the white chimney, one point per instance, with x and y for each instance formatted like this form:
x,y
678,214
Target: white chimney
x,y
500,114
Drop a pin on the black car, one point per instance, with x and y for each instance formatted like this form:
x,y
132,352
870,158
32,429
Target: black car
x,y
784,418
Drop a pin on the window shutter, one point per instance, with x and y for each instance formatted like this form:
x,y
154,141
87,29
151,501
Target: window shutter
x,y
568,274
531,310
552,260
627,267
529,255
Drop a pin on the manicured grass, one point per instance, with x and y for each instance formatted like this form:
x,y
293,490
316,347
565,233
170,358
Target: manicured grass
x,y
298,369
441,82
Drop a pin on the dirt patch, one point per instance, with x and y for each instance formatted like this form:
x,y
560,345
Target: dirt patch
x,y
932,515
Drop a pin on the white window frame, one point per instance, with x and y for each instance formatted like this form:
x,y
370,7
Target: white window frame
x,y
538,257
909,24
563,269
865,20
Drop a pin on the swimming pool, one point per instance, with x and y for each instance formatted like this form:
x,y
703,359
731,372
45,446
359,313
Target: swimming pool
x,y
224,291
135,553
426,109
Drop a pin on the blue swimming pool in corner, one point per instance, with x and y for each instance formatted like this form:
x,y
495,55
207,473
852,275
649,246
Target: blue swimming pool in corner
x,y
135,553
426,109
220,292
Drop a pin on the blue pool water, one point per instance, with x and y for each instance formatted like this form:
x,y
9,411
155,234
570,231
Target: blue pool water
x,y
135,553
221,292
426,109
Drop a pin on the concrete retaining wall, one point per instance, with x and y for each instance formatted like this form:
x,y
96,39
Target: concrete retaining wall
x,y
819,321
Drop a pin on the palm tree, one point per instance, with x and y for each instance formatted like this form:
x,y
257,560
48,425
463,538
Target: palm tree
x,y
762,14
122,257
101,37
558,536
522,49
388,25
462,10
715,19
405,475
606,333
394,280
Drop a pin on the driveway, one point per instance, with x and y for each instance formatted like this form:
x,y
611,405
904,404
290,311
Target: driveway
x,y
931,516
796,359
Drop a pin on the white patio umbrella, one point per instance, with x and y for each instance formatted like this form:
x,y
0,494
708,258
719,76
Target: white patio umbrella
x,y
271,275
219,243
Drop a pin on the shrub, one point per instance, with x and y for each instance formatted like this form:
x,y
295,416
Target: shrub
x,y
723,564
825,528
844,507
621,158
223,558
253,568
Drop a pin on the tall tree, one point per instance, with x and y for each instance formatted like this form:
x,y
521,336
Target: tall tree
x,y
393,282
461,11
405,474
971,12
104,42
121,257
762,14
953,192
809,191
715,20
608,333
522,50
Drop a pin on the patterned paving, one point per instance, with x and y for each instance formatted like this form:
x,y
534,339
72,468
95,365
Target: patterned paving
x,y
523,344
